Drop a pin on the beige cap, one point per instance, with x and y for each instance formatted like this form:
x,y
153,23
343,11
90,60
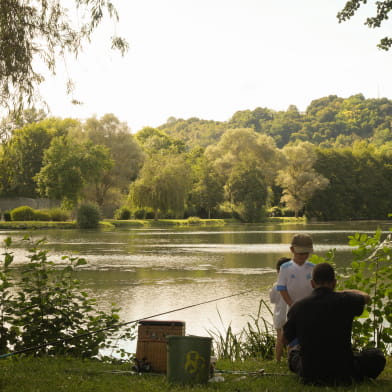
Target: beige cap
x,y
302,243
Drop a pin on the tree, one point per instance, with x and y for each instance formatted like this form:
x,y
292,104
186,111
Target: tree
x,y
244,145
125,152
163,185
154,141
298,178
247,192
207,191
43,29
18,120
384,7
23,154
68,166
193,131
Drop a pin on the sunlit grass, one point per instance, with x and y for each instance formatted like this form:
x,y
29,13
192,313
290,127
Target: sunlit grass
x,y
48,374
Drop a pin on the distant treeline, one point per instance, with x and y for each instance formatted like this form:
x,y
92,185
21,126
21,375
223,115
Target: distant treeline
x,y
332,162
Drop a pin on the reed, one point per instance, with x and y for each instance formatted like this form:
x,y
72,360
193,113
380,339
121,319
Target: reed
x,y
255,340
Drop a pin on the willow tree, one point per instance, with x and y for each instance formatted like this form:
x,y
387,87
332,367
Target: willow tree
x,y
39,32
163,185
298,178
125,152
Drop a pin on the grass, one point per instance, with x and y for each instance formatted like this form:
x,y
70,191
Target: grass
x,y
33,225
165,222
108,224
48,374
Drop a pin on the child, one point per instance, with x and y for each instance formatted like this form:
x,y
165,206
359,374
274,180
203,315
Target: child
x,y
295,276
280,311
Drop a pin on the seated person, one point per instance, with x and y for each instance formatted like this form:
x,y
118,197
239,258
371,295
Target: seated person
x,y
321,324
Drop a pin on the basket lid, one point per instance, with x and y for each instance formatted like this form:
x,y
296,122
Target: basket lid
x,y
162,322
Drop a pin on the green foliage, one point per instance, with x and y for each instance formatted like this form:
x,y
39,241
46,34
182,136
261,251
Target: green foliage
x,y
346,169
255,340
193,220
371,272
246,190
382,14
68,165
88,216
43,29
9,331
48,305
163,185
194,131
125,153
42,215
23,213
123,213
298,178
59,215
22,158
7,216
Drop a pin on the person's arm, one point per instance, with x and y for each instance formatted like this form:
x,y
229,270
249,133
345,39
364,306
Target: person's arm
x,y
286,297
366,296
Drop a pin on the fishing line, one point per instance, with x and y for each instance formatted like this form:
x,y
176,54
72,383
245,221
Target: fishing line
x,y
58,341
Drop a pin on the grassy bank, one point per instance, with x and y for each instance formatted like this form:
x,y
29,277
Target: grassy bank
x,y
108,224
70,375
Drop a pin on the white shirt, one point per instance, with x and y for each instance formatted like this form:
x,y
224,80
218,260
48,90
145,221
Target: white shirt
x,y
280,309
295,279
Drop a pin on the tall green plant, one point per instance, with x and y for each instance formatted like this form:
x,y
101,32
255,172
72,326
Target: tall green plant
x,y
8,331
50,306
255,340
371,272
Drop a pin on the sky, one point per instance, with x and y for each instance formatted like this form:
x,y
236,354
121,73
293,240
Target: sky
x,y
211,58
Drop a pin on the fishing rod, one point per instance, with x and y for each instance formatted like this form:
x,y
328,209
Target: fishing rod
x,y
58,341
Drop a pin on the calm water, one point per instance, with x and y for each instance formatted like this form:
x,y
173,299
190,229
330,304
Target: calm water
x,y
149,271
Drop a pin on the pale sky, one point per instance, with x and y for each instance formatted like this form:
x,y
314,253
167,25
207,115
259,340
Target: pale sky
x,y
211,58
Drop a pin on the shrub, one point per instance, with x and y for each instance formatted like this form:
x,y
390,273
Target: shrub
x,y
41,215
123,213
7,216
59,215
194,220
149,214
88,216
23,213
53,309
139,213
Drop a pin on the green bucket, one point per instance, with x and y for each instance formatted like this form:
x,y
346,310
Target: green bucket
x,y
188,359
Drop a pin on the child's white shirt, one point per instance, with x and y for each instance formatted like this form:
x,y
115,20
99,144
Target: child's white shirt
x,y
280,309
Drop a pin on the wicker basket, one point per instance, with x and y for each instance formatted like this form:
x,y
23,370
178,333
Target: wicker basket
x,y
151,349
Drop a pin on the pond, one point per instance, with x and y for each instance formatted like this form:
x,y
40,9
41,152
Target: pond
x,y
149,271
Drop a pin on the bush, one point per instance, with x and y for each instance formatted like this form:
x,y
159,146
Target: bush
x,y
7,216
194,220
88,216
59,215
52,307
23,213
41,215
139,213
143,213
123,213
149,214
